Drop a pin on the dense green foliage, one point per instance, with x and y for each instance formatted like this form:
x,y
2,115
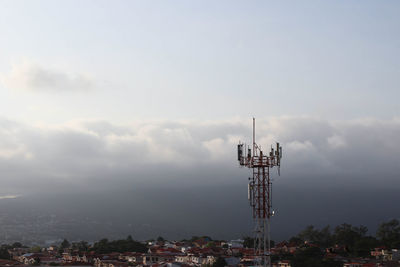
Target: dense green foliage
x,y
17,245
248,242
35,249
210,244
351,240
312,257
389,233
4,252
321,237
123,245
345,239
220,262
80,246
64,245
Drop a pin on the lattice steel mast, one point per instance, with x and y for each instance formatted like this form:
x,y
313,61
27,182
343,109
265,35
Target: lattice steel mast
x,y
260,193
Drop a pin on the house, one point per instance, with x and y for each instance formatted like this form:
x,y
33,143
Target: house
x,y
111,263
396,254
248,261
105,259
353,264
378,252
170,264
238,243
150,258
185,249
198,259
211,259
247,251
232,261
132,257
182,258
201,242
234,251
386,255
292,247
16,252
281,247
283,263
9,263
29,258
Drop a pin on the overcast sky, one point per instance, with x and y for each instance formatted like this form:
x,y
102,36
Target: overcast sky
x,y
97,93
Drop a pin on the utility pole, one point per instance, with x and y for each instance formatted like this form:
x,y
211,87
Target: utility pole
x,y
260,193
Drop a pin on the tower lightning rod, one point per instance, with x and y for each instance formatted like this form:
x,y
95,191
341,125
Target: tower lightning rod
x,y
260,194
254,136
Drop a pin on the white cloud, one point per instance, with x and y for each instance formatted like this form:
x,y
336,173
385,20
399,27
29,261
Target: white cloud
x,y
88,149
300,146
217,148
9,197
32,77
336,141
11,146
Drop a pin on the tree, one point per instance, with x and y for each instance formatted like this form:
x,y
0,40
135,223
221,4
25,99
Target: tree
x,y
35,249
123,245
4,252
17,245
389,233
307,257
309,234
206,238
220,262
102,246
80,246
354,239
346,234
65,244
37,261
194,238
160,239
210,244
321,237
296,240
248,242
363,246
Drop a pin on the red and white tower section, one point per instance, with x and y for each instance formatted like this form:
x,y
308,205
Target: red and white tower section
x,y
260,193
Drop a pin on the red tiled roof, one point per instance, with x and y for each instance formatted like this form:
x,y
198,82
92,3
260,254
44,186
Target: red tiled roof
x,y
281,244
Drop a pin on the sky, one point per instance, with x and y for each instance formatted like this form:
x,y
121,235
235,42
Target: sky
x,y
101,96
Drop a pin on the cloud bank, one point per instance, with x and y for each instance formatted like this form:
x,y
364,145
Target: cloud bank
x,y
312,147
31,77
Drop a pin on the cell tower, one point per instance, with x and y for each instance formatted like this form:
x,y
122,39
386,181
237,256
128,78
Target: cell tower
x,y
260,193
